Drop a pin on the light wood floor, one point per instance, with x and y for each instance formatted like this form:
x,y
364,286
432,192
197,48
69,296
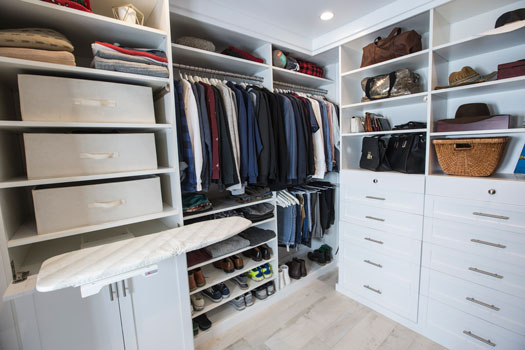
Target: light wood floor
x,y
319,318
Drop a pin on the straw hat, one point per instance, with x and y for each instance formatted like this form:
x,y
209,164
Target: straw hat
x,y
467,75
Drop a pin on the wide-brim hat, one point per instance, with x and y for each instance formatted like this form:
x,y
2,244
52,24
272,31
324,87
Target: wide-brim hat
x,y
467,75
508,22
469,113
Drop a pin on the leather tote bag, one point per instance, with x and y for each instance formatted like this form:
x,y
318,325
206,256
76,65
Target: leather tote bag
x,y
406,153
401,82
397,44
373,154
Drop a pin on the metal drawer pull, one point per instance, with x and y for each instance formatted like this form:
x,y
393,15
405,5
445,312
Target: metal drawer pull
x,y
490,306
374,218
376,198
501,217
485,272
477,337
372,289
497,245
373,263
373,240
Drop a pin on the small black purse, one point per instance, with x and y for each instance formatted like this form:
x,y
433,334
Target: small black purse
x,y
373,154
406,153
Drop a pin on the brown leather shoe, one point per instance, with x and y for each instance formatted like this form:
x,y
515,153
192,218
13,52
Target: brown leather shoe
x,y
266,252
191,281
294,269
237,262
228,265
199,277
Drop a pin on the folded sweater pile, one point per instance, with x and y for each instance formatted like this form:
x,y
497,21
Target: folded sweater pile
x,y
130,60
37,44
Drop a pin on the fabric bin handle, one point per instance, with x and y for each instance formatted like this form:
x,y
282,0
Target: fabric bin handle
x,y
107,205
97,156
95,102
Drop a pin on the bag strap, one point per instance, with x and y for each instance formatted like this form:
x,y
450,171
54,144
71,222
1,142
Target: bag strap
x,y
368,86
392,80
395,32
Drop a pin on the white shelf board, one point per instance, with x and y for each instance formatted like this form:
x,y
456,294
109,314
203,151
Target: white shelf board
x,y
478,132
495,86
23,126
496,176
235,291
207,262
289,76
11,67
414,61
214,60
388,132
23,181
90,26
479,44
215,276
27,233
420,97
225,204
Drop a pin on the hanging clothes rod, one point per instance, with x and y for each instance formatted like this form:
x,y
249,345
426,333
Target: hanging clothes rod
x,y
218,72
299,87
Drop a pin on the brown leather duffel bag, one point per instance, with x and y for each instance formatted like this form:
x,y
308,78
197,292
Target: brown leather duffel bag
x,y
397,44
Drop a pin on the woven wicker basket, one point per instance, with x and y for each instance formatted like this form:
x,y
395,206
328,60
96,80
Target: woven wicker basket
x,y
470,157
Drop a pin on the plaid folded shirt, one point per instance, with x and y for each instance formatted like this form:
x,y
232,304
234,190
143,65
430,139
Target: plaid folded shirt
x,y
310,69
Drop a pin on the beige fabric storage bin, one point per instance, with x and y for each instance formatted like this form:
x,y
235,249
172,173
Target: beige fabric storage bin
x,y
60,155
54,99
64,208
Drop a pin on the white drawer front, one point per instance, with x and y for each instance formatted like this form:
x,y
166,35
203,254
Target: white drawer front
x,y
54,99
494,191
504,246
369,195
477,269
60,155
381,242
63,208
383,182
399,296
491,215
496,307
457,330
405,224
373,262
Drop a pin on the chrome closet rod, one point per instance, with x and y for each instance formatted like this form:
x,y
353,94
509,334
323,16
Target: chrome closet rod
x,y
300,87
218,72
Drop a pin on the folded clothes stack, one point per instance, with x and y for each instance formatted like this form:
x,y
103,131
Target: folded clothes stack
x,y
193,203
258,212
197,256
37,44
83,5
227,246
235,52
257,235
129,60
253,194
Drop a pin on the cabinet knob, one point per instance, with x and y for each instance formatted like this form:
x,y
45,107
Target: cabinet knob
x,y
492,191
375,181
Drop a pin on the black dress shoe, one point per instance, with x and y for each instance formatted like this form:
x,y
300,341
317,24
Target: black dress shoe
x,y
203,322
255,254
265,252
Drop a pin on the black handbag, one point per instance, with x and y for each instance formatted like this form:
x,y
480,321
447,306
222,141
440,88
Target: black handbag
x,y
373,154
406,153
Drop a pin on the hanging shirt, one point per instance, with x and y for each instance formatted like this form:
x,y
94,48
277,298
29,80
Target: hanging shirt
x,y
326,135
291,138
189,181
319,154
192,115
214,133
254,138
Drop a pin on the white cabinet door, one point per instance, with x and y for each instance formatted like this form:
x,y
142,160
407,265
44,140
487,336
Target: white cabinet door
x,y
161,308
67,321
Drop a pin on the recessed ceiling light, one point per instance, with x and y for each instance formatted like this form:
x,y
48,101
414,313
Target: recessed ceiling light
x,y
326,16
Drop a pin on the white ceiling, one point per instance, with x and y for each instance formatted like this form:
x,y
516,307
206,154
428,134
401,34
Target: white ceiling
x,y
301,17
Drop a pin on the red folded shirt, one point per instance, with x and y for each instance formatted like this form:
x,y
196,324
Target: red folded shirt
x,y
310,68
133,52
73,4
235,52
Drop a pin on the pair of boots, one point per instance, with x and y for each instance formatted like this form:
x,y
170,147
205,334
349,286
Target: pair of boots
x,y
296,268
322,256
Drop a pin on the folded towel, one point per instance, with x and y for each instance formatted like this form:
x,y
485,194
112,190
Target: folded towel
x,y
35,38
130,67
58,57
227,246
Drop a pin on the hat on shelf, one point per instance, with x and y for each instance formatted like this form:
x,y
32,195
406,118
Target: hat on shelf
x,y
473,116
279,59
467,75
508,22
197,43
